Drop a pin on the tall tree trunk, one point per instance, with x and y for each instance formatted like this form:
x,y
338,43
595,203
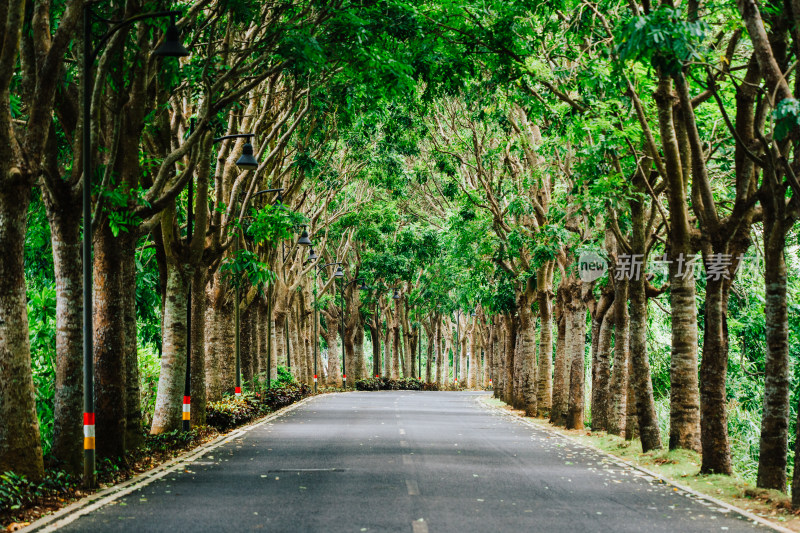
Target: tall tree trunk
x,y
474,359
558,414
68,401
618,391
601,378
109,345
220,346
441,356
685,392
20,447
544,393
430,354
169,405
576,358
775,418
198,355
527,354
133,403
640,365
246,326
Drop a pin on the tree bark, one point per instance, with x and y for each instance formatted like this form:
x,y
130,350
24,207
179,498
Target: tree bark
x,y
618,391
20,447
109,345
68,401
775,417
544,394
576,358
169,405
558,414
601,375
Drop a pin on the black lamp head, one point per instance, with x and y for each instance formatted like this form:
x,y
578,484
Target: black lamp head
x,y
396,295
339,272
363,287
247,161
304,240
312,256
171,46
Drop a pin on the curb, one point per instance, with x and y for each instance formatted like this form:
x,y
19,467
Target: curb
x,y
683,488
99,499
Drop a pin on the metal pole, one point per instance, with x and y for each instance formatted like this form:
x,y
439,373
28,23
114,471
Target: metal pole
x,y
187,385
238,390
288,359
419,352
88,349
341,334
458,346
269,340
316,335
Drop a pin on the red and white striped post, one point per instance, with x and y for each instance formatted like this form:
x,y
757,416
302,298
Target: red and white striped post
x,y
88,432
237,391
187,412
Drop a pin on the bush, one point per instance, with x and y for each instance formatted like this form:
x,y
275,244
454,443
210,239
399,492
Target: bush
x,y
234,411
17,492
373,384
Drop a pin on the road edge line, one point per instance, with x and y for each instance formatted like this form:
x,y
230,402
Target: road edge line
x,y
745,513
96,500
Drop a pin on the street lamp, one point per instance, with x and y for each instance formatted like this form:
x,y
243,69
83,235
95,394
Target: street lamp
x,y
245,162
171,47
316,311
304,239
269,300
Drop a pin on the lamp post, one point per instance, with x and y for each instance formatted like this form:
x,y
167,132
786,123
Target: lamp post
x,y
338,274
246,161
171,47
269,301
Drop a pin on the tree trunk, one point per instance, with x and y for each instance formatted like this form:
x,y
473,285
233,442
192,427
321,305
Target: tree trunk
x,y
643,384
558,414
109,345
133,396
169,405
576,359
685,392
618,391
601,375
775,418
713,373
20,447
640,365
68,401
220,346
198,376
544,393
430,354
246,359
474,359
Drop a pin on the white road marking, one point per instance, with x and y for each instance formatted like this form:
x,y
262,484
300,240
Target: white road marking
x,y
413,488
402,431
418,526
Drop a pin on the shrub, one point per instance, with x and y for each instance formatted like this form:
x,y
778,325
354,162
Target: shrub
x,y
234,411
373,384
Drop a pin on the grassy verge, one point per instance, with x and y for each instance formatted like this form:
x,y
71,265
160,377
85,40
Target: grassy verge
x,y
680,466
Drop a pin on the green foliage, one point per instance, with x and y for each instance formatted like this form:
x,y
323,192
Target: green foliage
x,y
245,266
272,224
16,492
384,383
787,117
234,411
663,38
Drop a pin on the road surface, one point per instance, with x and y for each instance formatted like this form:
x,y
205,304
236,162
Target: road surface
x,y
411,462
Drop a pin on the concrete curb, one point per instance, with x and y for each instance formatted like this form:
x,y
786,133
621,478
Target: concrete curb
x,y
699,495
101,498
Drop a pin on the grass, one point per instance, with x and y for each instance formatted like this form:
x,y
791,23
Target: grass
x,y
682,467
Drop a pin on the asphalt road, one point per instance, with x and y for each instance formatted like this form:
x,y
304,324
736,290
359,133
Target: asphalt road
x,y
406,461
